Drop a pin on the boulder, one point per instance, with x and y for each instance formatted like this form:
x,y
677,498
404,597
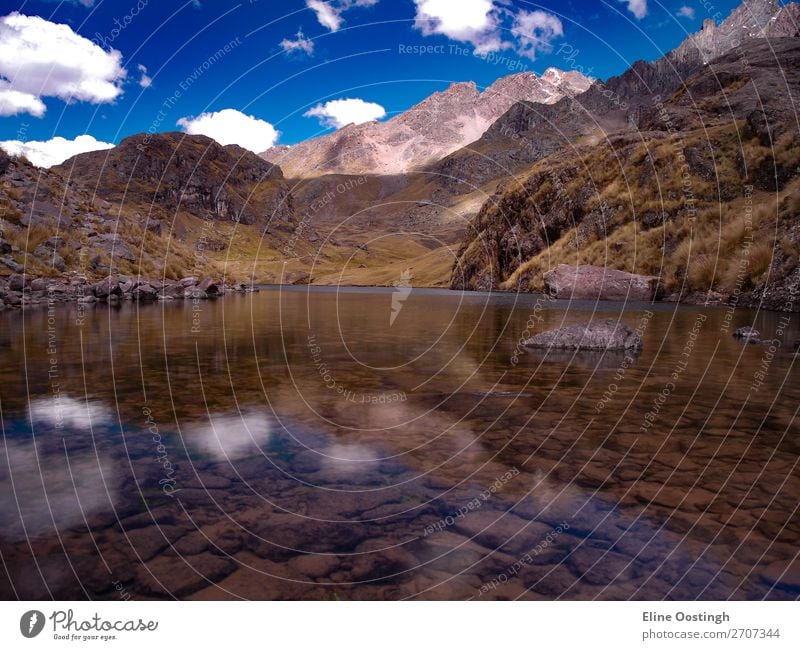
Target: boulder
x,y
188,282
41,213
49,246
171,290
588,282
144,291
114,245
58,263
194,293
209,287
747,334
10,263
17,282
48,255
154,226
608,334
106,288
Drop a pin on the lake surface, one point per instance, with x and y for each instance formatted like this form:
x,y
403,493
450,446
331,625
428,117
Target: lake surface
x,y
305,444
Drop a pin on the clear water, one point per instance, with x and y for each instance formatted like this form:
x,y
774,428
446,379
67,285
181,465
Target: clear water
x,y
300,444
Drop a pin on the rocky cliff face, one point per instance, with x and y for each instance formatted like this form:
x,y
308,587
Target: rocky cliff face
x,y
437,126
192,173
530,131
753,19
706,197
50,225
158,205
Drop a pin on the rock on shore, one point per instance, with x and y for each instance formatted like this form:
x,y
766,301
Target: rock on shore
x,y
608,334
20,290
586,282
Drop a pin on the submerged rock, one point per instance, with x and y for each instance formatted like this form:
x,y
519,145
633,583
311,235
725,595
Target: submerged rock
x,y
586,282
608,334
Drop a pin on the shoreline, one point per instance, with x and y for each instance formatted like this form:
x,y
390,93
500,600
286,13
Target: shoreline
x,y
18,292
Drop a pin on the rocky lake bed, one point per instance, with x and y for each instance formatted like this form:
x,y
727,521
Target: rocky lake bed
x,y
236,468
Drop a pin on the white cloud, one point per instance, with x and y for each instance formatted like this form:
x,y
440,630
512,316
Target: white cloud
x,y
300,42
686,12
13,101
341,112
54,151
329,12
471,21
327,15
482,23
230,126
43,59
145,81
535,31
637,7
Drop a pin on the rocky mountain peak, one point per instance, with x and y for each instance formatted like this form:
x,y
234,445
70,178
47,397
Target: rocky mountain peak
x,y
751,19
435,127
180,171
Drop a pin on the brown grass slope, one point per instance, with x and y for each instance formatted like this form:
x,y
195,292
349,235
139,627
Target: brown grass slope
x,y
705,195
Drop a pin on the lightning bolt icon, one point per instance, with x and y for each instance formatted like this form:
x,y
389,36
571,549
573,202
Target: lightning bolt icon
x,y
32,622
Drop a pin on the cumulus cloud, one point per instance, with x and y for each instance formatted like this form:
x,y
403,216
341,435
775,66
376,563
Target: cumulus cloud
x,y
329,12
471,21
326,14
144,81
300,42
341,112
39,58
481,23
535,31
230,126
54,151
686,12
13,102
637,7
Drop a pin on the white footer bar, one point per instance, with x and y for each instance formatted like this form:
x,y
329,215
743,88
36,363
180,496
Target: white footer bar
x,y
355,625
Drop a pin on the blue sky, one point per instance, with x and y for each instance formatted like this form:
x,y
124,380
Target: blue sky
x,y
282,61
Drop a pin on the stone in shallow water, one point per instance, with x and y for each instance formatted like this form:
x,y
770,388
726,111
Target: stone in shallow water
x,y
586,282
607,334
747,334
170,575
315,566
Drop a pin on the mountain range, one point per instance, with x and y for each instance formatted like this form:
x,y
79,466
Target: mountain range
x,y
437,126
672,169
